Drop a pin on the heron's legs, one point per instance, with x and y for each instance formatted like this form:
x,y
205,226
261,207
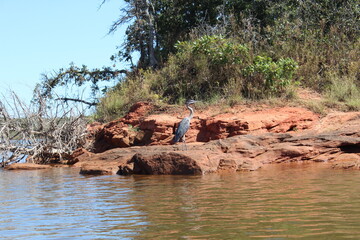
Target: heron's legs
x,y
183,140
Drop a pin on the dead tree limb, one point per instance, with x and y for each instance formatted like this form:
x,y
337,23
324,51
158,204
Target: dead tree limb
x,y
65,99
42,132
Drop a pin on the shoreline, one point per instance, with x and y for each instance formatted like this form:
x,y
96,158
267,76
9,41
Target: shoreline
x,y
234,140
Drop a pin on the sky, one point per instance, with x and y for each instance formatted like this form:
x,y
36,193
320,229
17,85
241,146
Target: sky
x,y
40,36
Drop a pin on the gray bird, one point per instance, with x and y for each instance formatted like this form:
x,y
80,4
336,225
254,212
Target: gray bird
x,y
184,125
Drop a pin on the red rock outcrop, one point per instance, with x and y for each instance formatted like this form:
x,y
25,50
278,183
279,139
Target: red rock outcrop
x,y
138,128
241,139
244,140
337,149
123,132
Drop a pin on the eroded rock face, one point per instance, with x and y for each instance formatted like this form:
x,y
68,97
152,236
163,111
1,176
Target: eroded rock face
x,y
337,149
123,132
243,140
138,128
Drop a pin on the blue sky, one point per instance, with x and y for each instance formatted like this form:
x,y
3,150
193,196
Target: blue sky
x,y
39,36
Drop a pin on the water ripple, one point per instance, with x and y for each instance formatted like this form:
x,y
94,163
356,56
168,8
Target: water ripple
x,y
268,204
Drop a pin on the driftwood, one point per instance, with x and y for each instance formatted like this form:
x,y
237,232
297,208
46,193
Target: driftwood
x,y
44,131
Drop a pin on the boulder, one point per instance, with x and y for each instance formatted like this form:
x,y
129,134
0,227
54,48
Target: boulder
x,y
165,163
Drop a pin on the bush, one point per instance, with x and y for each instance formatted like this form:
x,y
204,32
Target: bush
x,y
267,78
322,36
207,68
217,49
214,65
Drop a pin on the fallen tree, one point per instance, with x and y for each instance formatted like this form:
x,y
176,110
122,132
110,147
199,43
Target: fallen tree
x,y
45,131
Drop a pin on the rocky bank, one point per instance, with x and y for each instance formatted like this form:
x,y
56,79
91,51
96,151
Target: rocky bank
x,y
219,141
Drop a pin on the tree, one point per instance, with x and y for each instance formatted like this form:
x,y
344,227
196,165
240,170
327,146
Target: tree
x,y
140,35
156,25
154,28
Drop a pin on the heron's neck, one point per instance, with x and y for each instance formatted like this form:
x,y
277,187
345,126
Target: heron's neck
x,y
191,111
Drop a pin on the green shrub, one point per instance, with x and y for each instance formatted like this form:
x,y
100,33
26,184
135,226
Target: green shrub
x,y
207,68
266,78
217,49
214,65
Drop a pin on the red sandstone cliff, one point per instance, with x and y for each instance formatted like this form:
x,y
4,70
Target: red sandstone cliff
x,y
220,140
234,139
140,128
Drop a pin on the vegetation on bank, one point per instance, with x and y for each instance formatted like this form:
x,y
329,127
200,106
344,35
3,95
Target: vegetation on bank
x,y
211,50
231,51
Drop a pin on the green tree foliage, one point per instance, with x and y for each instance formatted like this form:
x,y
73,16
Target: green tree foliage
x,y
156,25
273,45
140,34
76,77
265,47
174,20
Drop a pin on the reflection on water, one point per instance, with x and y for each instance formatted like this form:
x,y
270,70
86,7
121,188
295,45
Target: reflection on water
x,y
268,204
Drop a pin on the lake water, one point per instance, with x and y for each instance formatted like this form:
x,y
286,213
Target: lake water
x,y
276,203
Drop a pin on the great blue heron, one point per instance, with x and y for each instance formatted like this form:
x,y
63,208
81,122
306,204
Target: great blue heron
x,y
184,125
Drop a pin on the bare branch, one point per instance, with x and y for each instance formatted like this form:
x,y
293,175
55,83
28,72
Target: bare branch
x,y
103,2
65,99
43,132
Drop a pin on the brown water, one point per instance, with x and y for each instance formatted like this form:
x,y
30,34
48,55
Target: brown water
x,y
281,203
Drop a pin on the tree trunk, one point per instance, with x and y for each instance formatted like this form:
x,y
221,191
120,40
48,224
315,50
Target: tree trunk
x,y
151,32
